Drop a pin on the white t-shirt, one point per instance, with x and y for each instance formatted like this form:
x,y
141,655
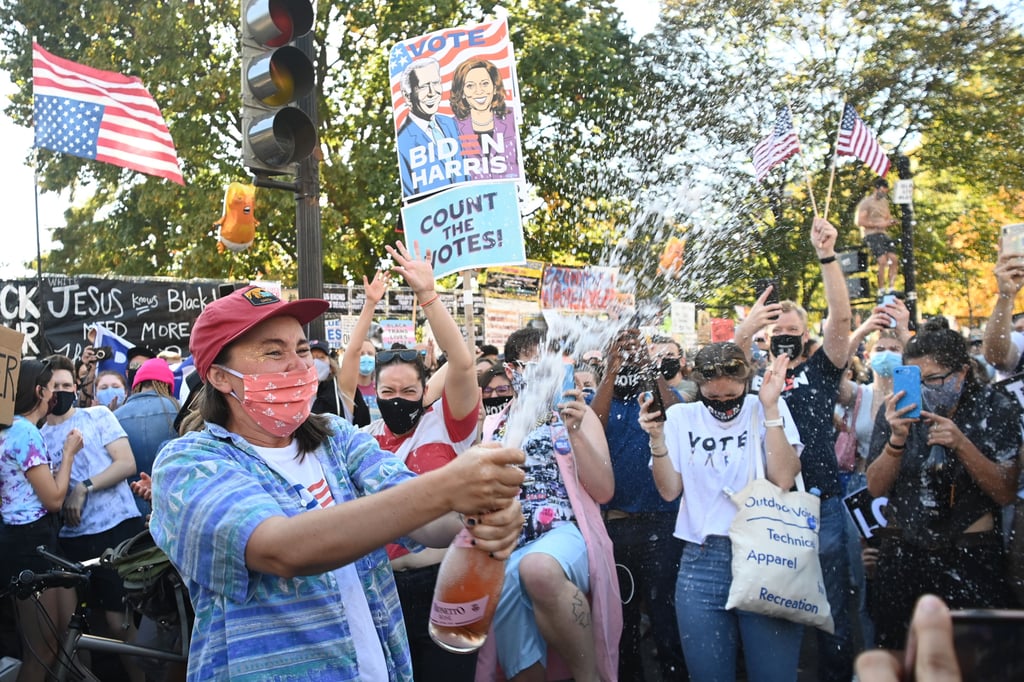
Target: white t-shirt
x,y
712,456
1017,339
307,476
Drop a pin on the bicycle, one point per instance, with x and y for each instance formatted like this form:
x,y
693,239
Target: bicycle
x,y
73,574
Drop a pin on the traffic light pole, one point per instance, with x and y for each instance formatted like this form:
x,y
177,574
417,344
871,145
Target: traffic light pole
x,y
907,238
309,250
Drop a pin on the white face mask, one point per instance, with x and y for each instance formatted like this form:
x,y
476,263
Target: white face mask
x,y
323,369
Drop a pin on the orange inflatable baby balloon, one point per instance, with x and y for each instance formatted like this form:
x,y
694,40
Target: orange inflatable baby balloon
x,y
671,261
238,224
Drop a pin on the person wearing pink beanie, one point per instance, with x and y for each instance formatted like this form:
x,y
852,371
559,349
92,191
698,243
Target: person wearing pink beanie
x,y
147,416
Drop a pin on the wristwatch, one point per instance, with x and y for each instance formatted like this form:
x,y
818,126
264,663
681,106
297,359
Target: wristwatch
x,y
780,422
88,485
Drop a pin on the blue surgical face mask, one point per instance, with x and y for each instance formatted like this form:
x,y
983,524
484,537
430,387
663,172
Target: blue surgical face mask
x,y
366,364
884,361
105,396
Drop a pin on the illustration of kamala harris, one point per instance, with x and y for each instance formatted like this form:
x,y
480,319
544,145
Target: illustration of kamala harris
x,y
486,124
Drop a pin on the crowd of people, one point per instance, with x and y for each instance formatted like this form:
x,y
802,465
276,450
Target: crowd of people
x,y
307,495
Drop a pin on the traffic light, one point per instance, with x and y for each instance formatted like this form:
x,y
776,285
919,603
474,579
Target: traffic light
x,y
276,133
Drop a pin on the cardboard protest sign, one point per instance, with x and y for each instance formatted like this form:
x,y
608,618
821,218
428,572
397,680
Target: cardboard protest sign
x,y
398,331
580,289
520,282
10,367
467,227
868,512
456,108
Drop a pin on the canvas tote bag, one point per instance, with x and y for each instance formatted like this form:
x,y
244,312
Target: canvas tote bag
x,y
774,535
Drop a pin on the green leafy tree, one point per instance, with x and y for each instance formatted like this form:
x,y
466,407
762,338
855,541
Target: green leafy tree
x,y
725,68
574,62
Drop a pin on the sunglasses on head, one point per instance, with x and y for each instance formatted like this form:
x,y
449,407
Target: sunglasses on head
x,y
403,354
733,369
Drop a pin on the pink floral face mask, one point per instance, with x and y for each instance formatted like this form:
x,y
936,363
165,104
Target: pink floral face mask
x,y
277,401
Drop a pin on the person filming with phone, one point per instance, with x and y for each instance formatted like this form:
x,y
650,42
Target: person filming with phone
x,y
946,475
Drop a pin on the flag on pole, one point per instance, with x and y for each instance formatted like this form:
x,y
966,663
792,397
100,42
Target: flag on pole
x,y
116,348
777,147
856,140
100,115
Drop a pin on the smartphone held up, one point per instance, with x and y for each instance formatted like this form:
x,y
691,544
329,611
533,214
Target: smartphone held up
x,y
907,378
1011,241
760,285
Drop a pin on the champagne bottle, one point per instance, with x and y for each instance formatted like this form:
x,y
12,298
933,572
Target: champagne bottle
x,y
465,596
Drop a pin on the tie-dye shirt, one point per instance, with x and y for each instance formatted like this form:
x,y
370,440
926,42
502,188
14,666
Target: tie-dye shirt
x,y
210,492
21,448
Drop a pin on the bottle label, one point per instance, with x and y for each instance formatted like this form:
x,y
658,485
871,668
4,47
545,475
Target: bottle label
x,y
464,539
448,614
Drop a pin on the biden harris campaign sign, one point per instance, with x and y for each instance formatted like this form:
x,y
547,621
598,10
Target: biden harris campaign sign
x,y
456,108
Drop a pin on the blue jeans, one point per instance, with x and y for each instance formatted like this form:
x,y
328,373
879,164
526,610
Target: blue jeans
x,y
835,652
711,635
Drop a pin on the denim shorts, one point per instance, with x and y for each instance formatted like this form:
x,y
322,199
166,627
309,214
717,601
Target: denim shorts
x,y
519,641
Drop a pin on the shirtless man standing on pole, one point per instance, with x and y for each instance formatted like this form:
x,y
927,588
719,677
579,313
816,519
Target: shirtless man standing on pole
x,y
874,220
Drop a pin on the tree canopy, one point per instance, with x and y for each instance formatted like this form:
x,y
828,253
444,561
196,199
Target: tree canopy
x,y
626,142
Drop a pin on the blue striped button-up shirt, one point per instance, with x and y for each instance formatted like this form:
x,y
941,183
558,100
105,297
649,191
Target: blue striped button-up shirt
x,y
210,491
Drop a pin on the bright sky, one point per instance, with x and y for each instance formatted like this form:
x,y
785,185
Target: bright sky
x,y
19,186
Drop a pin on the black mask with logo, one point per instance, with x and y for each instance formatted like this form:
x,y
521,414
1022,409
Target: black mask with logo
x,y
400,415
628,382
496,404
723,410
790,344
61,402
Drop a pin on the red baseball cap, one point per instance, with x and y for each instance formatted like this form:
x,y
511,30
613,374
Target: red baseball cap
x,y
227,318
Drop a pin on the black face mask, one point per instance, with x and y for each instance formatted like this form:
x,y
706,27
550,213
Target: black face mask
x,y
400,415
495,405
61,402
628,382
723,410
670,367
790,344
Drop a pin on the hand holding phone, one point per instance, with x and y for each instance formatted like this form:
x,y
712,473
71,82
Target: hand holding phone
x,y
907,378
761,284
773,296
568,383
889,299
657,405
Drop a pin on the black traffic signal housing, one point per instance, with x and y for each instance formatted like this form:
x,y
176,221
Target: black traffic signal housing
x,y
276,132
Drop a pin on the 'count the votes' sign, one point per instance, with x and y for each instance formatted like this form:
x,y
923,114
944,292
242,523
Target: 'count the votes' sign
x,y
467,227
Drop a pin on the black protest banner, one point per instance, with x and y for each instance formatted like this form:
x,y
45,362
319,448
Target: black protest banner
x,y
156,312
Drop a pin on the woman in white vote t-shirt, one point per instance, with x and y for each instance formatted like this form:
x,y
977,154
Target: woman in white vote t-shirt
x,y
702,450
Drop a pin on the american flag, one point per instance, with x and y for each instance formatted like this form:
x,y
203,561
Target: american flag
x,y
100,115
856,140
777,147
